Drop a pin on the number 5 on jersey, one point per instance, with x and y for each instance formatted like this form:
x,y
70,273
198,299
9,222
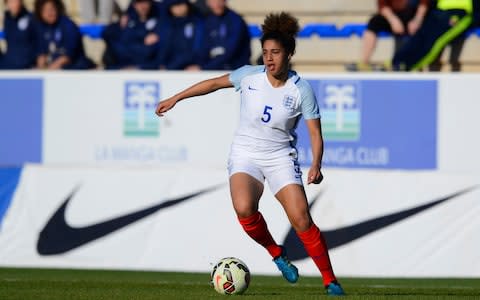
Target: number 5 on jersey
x,y
266,114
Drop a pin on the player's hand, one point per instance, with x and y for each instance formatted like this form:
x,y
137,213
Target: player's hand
x,y
165,106
315,175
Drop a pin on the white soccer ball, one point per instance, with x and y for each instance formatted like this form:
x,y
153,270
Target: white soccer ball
x,y
230,276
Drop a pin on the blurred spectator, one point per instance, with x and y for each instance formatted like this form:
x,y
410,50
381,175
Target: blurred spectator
x,y
59,42
20,37
158,7
456,47
161,6
134,45
201,7
402,18
184,32
92,11
450,20
226,39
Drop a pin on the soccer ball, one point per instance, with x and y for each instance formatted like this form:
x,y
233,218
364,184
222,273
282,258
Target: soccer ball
x,y
230,276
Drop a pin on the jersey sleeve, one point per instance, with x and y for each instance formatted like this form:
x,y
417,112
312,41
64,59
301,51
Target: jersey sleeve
x,y
308,105
237,75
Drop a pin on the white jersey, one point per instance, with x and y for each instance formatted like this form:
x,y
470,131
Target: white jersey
x,y
269,115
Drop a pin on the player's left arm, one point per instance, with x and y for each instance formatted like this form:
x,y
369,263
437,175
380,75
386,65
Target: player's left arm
x,y
311,113
315,130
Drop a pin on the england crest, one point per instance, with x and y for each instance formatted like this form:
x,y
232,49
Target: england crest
x,y
289,103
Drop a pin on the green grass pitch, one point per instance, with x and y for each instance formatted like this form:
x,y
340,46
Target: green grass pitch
x,y
24,284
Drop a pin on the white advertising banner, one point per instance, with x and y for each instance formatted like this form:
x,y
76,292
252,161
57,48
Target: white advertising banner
x,y
120,188
404,121
110,118
370,121
458,123
179,218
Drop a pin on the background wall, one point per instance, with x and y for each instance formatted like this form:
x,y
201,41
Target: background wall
x,y
112,186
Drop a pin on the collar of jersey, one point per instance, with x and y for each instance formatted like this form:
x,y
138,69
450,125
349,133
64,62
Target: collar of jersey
x,y
292,75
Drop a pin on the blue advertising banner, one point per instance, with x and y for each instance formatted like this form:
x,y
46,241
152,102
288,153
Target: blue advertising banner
x,y
20,121
385,124
9,178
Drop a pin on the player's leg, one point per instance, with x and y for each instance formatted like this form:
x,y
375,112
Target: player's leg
x,y
294,202
285,181
246,191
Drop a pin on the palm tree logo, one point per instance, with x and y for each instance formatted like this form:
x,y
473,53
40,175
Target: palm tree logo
x,y
140,103
343,114
340,97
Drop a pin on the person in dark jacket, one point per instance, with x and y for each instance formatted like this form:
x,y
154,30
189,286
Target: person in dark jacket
x,y
134,43
20,37
59,41
160,8
201,7
226,39
184,32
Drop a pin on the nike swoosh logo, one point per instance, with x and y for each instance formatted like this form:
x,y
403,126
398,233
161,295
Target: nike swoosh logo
x,y
252,89
58,236
344,235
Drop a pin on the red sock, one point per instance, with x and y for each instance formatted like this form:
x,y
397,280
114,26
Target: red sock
x,y
316,247
256,227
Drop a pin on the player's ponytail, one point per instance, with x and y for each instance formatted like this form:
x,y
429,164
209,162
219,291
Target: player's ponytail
x,y
282,27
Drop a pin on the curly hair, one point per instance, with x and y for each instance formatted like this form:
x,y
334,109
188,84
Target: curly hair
x,y
283,28
59,5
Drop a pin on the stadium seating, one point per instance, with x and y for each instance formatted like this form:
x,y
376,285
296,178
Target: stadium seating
x,y
328,48
330,36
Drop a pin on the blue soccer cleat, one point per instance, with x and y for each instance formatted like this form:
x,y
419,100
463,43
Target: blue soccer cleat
x,y
334,289
289,271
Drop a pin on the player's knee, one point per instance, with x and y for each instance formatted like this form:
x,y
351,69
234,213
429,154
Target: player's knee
x,y
301,223
245,210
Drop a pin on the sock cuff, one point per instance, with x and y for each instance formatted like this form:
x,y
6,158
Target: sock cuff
x,y
251,219
309,234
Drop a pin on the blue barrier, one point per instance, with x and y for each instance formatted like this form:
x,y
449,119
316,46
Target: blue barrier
x,y
322,30
325,30
255,30
93,31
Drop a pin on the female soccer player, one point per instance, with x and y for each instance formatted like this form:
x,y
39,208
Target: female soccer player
x,y
273,98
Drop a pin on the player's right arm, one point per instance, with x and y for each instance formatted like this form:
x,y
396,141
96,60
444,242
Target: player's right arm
x,y
198,89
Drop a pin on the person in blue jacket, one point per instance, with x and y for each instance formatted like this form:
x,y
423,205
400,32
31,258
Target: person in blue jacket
x,y
59,41
20,37
184,32
134,43
227,39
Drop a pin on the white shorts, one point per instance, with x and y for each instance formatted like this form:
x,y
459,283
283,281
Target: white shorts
x,y
279,168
